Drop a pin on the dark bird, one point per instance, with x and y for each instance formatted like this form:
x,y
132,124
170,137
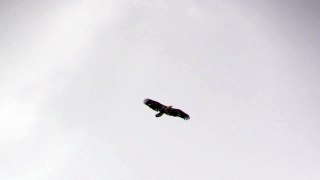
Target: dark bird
x,y
165,109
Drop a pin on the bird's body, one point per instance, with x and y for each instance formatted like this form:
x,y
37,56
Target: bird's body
x,y
162,109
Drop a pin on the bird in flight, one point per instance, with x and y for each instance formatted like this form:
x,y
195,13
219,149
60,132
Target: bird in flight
x,y
162,109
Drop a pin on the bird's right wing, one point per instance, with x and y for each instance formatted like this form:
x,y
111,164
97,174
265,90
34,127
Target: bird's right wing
x,y
179,113
154,104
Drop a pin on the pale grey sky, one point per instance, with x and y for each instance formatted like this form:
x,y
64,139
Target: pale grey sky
x,y
74,74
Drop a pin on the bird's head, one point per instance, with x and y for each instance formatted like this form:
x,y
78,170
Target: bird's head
x,y
169,107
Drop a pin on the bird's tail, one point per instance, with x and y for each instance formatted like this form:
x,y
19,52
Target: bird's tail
x,y
159,114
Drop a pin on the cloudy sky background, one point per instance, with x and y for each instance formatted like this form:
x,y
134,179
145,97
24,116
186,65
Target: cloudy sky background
x,y
74,74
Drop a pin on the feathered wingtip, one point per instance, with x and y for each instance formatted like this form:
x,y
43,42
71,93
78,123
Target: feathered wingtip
x,y
145,101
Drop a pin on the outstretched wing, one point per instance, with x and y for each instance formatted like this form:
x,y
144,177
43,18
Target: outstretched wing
x,y
179,113
154,104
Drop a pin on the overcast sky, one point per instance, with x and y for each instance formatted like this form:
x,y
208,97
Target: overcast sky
x,y
74,74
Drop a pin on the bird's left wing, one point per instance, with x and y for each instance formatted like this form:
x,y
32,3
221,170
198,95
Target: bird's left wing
x,y
154,104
